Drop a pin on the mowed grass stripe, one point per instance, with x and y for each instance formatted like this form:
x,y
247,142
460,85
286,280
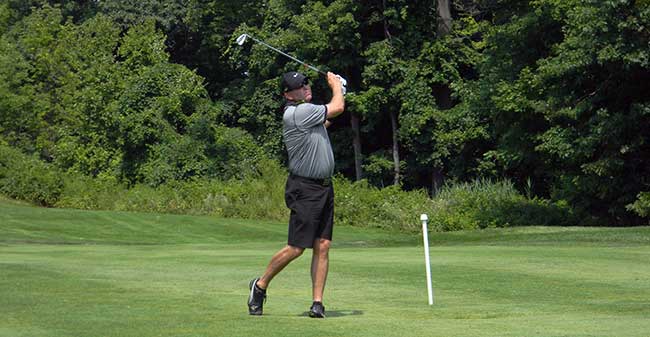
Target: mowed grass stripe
x,y
149,286
140,276
42,225
494,273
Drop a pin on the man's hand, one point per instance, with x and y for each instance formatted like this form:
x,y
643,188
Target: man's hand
x,y
342,83
336,106
334,81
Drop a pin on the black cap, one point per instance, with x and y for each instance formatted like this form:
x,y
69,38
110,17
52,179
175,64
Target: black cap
x,y
293,80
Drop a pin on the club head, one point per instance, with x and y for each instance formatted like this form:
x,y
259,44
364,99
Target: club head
x,y
242,39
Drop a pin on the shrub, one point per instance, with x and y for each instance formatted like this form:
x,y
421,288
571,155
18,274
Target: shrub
x,y
83,192
259,194
27,178
360,204
484,203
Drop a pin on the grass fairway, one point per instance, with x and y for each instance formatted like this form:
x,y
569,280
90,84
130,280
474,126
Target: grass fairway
x,y
80,273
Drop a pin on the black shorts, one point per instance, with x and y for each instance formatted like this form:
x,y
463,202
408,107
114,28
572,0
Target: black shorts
x,y
311,202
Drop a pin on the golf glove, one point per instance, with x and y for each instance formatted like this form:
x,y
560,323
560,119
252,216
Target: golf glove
x,y
343,84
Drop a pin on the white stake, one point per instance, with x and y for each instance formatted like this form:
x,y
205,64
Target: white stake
x,y
425,234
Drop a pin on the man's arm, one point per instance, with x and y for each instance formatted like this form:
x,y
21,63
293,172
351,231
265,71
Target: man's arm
x,y
336,106
327,123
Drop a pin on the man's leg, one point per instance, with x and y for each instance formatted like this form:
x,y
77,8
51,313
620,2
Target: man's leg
x,y
280,260
319,267
258,286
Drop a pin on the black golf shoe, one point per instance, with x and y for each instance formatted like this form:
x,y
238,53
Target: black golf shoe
x,y
256,298
317,310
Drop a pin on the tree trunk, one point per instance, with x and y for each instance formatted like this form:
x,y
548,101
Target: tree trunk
x,y
393,120
393,123
443,93
386,31
437,180
444,17
356,145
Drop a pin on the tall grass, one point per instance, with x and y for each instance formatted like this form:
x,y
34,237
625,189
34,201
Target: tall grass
x,y
363,205
472,205
258,197
485,203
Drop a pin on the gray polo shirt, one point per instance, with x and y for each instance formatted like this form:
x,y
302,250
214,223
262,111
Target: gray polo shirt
x,y
307,142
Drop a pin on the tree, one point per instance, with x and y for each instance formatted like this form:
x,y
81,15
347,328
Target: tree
x,y
392,30
568,104
384,69
547,91
113,106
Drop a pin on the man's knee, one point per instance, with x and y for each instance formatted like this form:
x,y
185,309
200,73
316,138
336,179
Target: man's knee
x,y
323,245
295,251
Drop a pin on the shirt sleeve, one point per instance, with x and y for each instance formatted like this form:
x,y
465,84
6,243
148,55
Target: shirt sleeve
x,y
309,115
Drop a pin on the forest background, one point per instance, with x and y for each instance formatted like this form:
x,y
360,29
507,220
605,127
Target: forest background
x,y
481,112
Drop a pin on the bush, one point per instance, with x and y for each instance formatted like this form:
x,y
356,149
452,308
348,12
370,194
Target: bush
x,y
484,203
83,192
259,194
360,204
27,178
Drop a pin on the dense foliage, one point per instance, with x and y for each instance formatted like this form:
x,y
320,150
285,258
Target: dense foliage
x,y
261,196
549,94
94,99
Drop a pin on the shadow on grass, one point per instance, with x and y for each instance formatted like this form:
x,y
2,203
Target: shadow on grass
x,y
337,313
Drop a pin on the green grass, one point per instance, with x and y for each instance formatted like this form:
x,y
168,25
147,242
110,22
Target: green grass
x,y
83,273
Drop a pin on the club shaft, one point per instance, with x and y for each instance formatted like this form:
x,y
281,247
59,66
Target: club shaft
x,y
287,55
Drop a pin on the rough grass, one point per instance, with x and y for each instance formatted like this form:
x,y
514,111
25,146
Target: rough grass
x,y
88,273
461,206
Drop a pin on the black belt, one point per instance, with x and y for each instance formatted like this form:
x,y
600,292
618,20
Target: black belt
x,y
319,181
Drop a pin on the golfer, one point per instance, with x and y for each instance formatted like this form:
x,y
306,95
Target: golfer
x,y
308,192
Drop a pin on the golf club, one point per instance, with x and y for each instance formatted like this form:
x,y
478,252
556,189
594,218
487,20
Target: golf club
x,y
241,39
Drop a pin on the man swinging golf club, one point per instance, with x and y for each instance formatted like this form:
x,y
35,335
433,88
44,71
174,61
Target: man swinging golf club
x,y
309,193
